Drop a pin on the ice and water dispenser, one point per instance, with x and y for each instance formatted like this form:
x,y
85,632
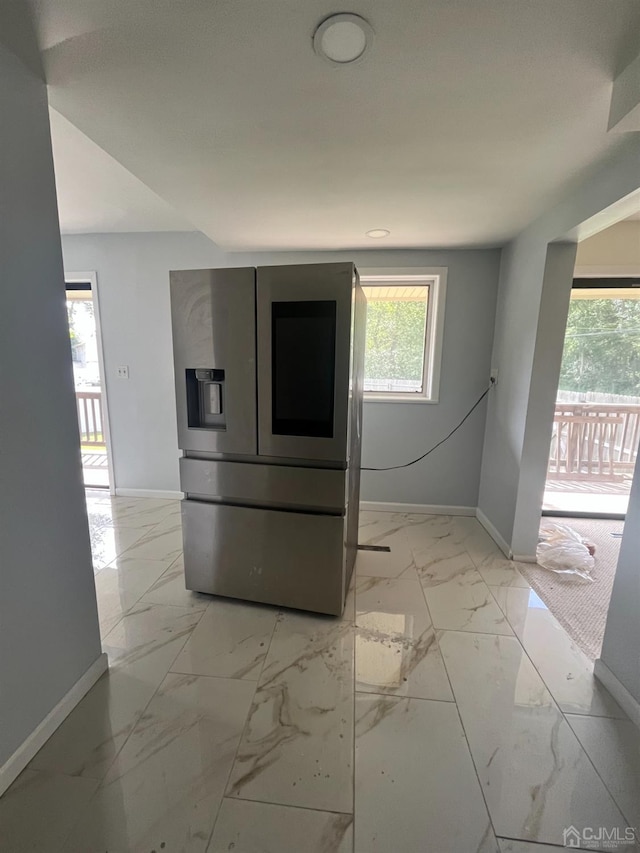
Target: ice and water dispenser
x,y
205,398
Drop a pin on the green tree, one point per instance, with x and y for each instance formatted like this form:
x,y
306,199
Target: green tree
x,y
395,339
602,347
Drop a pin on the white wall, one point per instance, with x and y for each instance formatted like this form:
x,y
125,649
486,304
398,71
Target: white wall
x,y
535,282
132,271
614,251
545,376
48,619
621,646
517,425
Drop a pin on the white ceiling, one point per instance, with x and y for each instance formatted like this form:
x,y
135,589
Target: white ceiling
x,y
97,194
462,123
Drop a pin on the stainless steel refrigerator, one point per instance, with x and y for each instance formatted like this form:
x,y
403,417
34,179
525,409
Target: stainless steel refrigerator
x,y
268,371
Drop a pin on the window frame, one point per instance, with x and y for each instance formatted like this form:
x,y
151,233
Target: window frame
x,y
436,279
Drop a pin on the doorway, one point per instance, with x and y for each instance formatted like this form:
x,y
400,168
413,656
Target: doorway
x,y
86,353
596,425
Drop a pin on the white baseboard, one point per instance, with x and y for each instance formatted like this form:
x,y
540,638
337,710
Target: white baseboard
x,y
149,493
419,509
16,763
493,533
627,702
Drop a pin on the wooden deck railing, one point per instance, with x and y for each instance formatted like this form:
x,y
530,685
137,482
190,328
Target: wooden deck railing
x,y
594,441
90,418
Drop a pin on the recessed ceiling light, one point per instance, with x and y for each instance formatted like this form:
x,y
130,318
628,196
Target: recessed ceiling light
x,y
342,38
377,233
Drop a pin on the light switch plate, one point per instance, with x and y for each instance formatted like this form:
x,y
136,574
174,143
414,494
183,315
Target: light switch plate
x,y
122,372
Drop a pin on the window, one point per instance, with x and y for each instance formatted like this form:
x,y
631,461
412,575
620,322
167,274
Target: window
x,y
405,318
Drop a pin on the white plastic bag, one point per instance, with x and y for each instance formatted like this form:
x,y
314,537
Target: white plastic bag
x,y
562,550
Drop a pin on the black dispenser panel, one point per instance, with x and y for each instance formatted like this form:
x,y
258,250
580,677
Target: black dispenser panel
x,y
303,366
205,398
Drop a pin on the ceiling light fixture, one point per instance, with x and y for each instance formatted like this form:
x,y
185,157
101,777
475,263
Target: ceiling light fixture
x,y
377,233
343,38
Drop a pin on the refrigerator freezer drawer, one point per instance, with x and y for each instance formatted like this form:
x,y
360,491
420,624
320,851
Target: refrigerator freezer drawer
x,y
318,489
289,559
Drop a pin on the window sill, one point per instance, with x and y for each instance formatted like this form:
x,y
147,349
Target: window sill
x,y
399,398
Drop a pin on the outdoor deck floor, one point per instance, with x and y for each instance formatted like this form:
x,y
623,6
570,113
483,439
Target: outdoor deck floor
x,y
95,468
595,496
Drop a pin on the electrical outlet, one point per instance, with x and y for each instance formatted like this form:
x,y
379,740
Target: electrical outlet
x,y
122,372
494,376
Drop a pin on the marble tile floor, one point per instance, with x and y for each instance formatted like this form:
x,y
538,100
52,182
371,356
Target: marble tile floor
x,y
446,712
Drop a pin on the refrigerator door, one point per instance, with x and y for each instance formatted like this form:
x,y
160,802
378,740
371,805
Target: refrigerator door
x,y
304,328
214,350
238,551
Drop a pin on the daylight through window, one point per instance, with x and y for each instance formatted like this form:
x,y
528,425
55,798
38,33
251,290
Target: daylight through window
x,y
396,325
402,345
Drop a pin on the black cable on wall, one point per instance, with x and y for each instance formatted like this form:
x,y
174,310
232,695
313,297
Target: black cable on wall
x,y
440,443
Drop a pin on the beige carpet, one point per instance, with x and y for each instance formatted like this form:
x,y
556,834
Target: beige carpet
x,y
580,606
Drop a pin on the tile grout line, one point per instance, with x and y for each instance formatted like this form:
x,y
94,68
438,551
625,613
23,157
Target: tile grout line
x,y
455,701
533,664
474,765
54,774
404,696
139,716
130,610
121,555
635,829
286,806
154,694
76,823
170,671
116,523
355,692
500,555
134,724
280,613
474,563
435,630
232,764
100,781
564,714
466,737
528,657
542,844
